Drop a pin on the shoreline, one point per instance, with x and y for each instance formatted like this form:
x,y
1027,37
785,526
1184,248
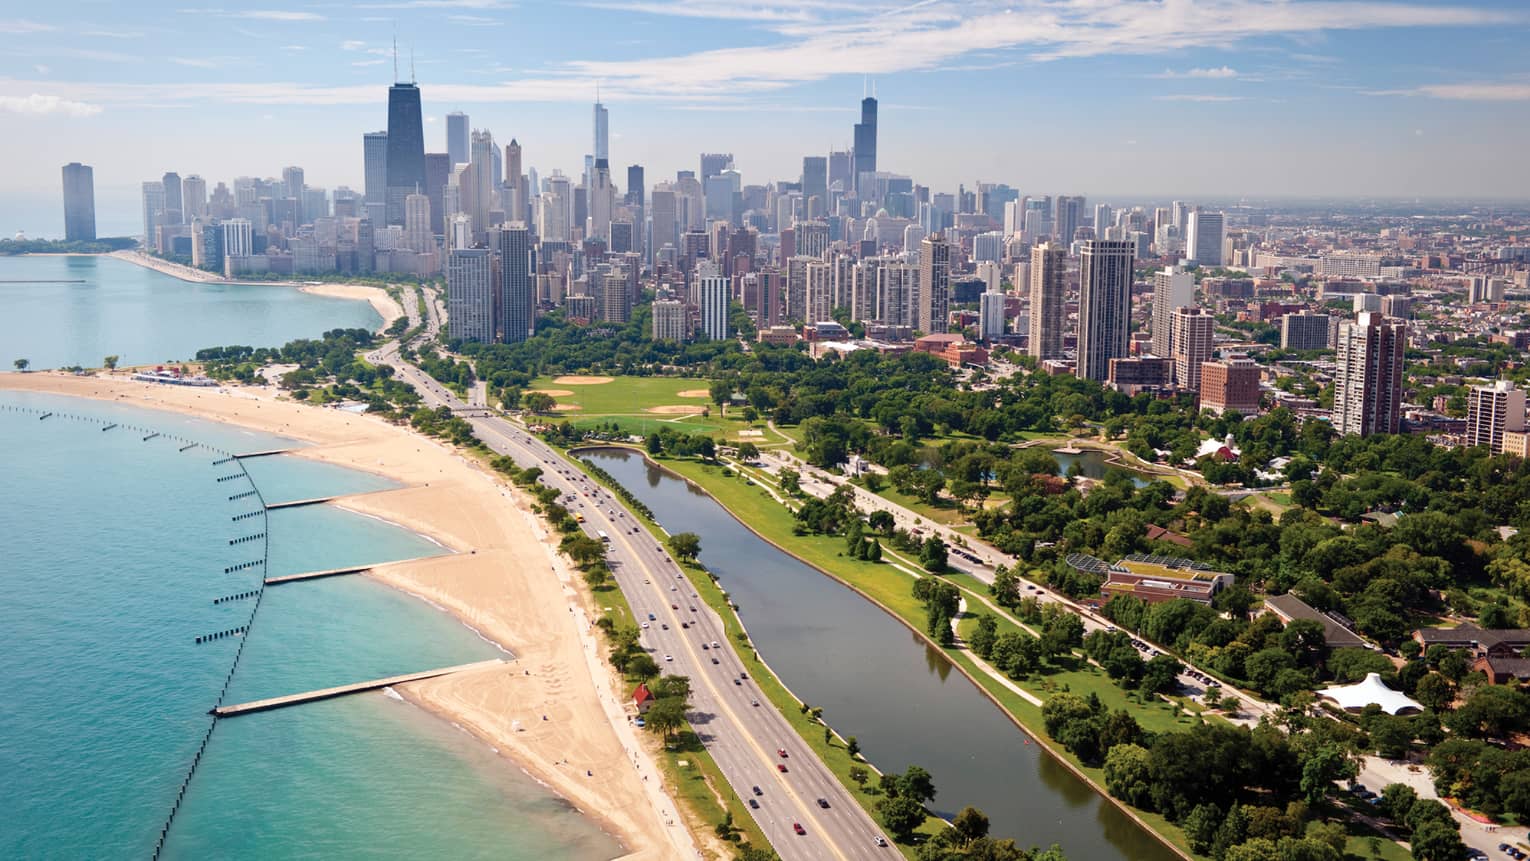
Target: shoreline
x,y
555,711
385,306
1038,734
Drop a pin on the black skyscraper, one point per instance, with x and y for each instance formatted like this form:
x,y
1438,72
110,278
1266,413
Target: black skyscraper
x,y
438,169
635,186
866,145
79,202
406,148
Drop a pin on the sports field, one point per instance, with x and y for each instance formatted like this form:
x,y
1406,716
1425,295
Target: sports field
x,y
640,405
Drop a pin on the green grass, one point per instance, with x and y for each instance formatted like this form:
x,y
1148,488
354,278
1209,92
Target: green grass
x,y
627,395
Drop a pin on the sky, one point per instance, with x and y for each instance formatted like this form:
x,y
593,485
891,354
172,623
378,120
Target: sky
x,y
1124,101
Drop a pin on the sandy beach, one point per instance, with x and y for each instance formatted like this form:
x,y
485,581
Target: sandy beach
x,y
556,710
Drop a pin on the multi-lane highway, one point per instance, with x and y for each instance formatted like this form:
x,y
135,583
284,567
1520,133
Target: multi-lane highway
x,y
739,727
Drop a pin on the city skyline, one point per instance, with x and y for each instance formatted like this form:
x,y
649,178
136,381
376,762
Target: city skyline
x,y
1304,98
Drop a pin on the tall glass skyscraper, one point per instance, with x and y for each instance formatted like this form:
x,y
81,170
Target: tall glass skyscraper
x,y
375,163
866,148
406,148
79,202
457,130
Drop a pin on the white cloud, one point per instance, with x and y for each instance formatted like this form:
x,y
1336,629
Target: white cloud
x,y
368,62
475,20
1499,91
38,104
41,69
439,4
21,25
1219,72
113,34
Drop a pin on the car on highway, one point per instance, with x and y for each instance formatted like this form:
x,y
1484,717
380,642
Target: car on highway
x,y
685,624
664,625
756,790
743,675
797,827
693,609
669,658
824,803
715,661
704,647
753,804
755,703
781,767
781,752
715,646
645,624
881,841
674,606
652,617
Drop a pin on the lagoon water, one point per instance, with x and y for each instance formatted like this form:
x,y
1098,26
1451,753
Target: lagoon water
x,y
145,317
115,549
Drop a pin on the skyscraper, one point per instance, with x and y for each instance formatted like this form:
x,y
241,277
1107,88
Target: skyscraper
x,y
478,197
934,281
517,199
602,132
1367,396
374,154
1068,214
1105,305
1192,339
1173,288
193,198
79,202
1102,220
292,178
438,169
1048,293
517,287
665,221
713,163
865,158
713,287
172,210
841,165
1203,242
457,129
153,210
470,295
406,148
1491,410
417,232
815,182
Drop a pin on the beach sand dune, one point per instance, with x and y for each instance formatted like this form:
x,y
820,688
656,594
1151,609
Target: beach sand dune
x,y
581,380
505,580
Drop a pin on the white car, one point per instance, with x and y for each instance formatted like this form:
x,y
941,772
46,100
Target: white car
x,y
669,658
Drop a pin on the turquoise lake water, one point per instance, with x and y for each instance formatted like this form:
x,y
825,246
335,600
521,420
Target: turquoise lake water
x,y
145,317
115,550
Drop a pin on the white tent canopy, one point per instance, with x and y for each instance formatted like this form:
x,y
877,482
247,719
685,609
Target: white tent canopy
x,y
1370,691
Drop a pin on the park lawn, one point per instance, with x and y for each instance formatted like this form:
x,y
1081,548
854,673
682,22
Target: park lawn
x,y
628,395
945,515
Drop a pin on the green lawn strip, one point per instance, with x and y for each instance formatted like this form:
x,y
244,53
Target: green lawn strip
x,y
944,516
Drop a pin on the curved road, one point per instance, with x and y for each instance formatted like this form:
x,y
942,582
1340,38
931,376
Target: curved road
x,y
741,729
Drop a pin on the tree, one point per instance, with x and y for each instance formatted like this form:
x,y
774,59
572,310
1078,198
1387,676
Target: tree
x,y
852,747
110,362
665,716
881,521
653,444
1129,774
642,666
791,482
970,824
917,784
1201,827
678,687
748,452
685,545
1397,800
859,774
902,817
22,364
1321,768
1492,711
1437,841
539,402
1436,692
934,555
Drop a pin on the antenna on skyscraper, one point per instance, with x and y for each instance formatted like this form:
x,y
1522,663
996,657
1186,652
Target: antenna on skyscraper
x,y
411,65
395,58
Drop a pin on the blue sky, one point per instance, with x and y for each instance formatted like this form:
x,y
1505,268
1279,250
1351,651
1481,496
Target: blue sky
x,y
1116,100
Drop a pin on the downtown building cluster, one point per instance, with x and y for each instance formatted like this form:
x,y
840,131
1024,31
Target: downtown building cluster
x,y
1143,298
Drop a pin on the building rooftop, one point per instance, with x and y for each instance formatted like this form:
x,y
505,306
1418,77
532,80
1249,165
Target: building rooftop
x,y
1290,607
